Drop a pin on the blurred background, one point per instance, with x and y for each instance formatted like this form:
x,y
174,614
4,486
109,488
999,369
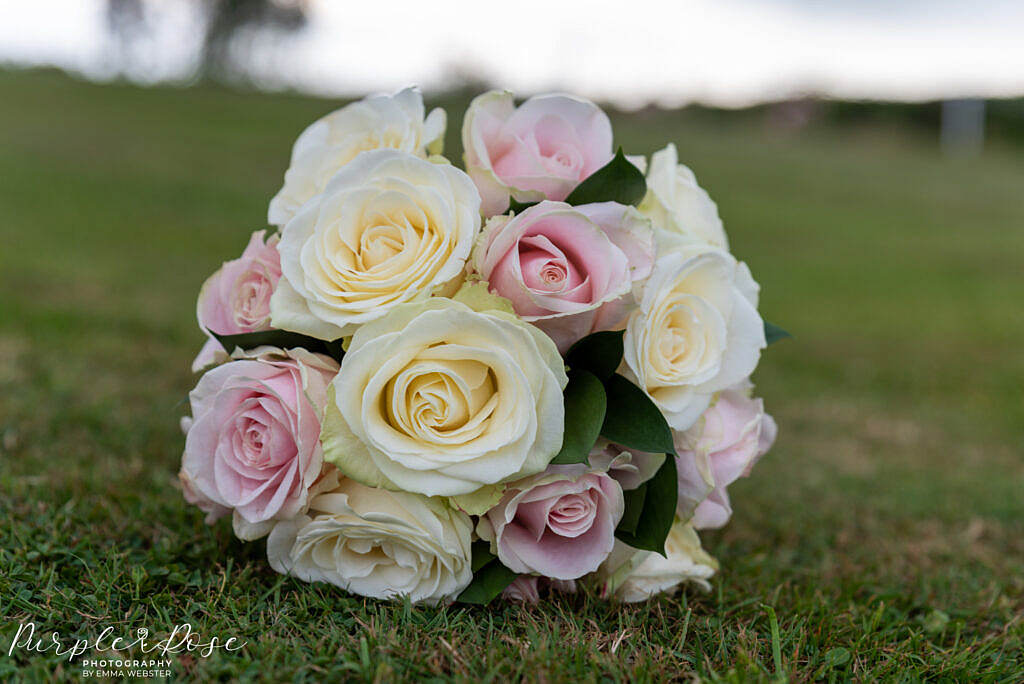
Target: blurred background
x,y
803,56
867,157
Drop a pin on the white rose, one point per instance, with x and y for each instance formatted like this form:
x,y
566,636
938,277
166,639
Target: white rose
x,y
389,228
676,204
379,121
630,575
377,543
697,331
439,399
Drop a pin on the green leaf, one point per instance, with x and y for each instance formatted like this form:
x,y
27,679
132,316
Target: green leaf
x,y
634,499
658,511
481,550
773,333
600,353
490,577
585,405
518,207
633,420
280,338
617,181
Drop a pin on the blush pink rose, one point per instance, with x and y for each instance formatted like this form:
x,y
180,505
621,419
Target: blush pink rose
x,y
559,524
527,588
719,449
236,298
253,446
568,270
629,467
542,149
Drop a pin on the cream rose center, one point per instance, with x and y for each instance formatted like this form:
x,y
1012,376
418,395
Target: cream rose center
x,y
442,402
688,339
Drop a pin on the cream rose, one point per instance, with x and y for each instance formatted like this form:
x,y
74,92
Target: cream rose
x,y
676,204
631,576
697,331
389,228
377,543
379,121
439,399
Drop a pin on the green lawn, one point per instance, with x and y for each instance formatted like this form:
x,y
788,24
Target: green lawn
x,y
885,530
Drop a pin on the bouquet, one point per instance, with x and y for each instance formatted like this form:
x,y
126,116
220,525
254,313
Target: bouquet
x,y
530,375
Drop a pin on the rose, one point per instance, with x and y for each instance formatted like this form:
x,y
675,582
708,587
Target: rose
x,y
559,524
377,543
630,575
236,298
722,447
568,270
389,228
696,332
214,511
527,588
542,149
439,399
253,443
628,467
380,121
676,204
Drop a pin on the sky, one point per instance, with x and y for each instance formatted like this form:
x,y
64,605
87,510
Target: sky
x,y
720,52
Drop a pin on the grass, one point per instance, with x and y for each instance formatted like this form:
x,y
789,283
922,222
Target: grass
x,y
883,538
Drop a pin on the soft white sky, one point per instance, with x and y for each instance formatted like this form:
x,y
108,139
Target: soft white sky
x,y
728,52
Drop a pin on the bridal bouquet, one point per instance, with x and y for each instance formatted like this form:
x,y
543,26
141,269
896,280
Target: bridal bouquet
x,y
448,385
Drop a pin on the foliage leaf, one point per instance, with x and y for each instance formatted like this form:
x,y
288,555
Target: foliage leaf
x,y
490,577
280,338
773,333
600,353
585,406
658,511
481,554
632,419
634,507
518,207
617,181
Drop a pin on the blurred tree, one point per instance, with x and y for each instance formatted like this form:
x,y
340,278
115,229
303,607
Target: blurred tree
x,y
127,25
226,24
228,18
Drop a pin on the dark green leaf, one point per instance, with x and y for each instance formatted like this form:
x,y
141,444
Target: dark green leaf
x,y
633,420
773,333
617,181
482,555
634,507
280,338
584,414
600,353
658,513
517,206
489,581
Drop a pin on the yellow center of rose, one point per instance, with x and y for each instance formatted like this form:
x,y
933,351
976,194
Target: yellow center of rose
x,y
441,402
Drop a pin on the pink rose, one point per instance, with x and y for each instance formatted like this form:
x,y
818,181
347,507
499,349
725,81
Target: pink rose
x,y
527,588
253,445
568,270
542,149
236,298
720,448
629,467
560,523
214,511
